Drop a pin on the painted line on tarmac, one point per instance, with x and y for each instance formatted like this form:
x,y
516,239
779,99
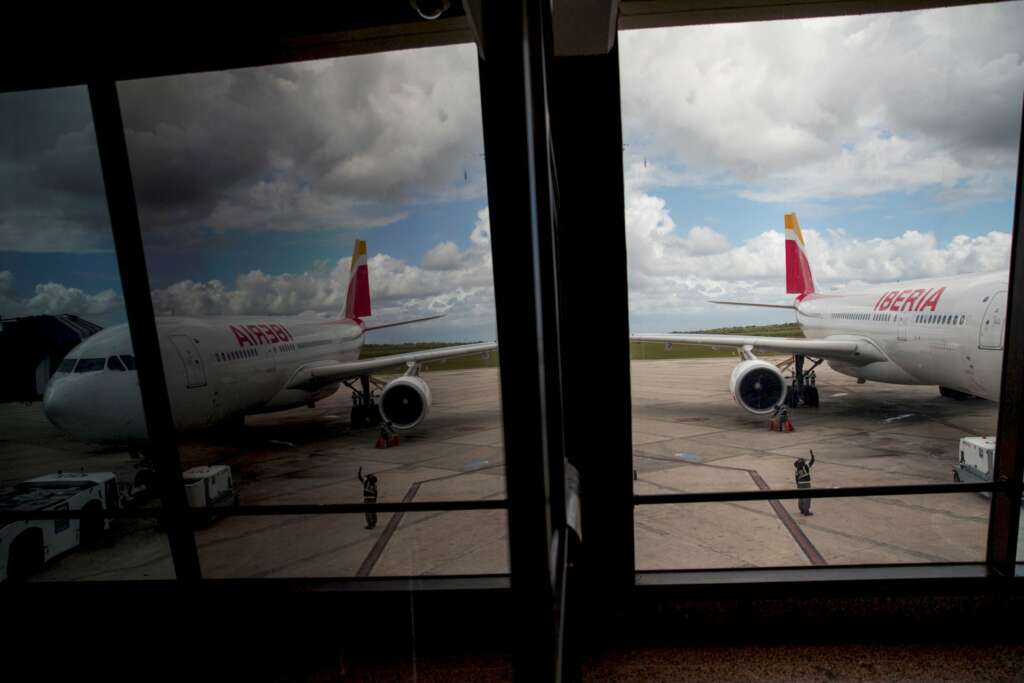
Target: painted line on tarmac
x,y
813,556
382,541
381,545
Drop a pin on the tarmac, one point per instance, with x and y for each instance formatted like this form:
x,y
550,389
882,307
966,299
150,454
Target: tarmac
x,y
688,435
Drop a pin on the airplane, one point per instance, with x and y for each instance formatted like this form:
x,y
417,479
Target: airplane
x,y
220,369
945,331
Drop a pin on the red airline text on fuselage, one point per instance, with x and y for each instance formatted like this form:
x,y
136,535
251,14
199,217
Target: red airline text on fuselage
x,y
909,300
256,335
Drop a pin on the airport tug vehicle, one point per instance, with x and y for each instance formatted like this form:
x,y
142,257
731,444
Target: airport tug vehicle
x,y
25,545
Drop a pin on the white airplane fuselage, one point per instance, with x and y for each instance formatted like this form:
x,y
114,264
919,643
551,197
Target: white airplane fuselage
x,y
944,331
217,370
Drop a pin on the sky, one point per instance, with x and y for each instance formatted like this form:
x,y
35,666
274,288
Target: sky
x,y
894,137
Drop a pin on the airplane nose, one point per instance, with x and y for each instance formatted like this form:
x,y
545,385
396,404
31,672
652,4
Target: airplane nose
x,y
55,405
88,410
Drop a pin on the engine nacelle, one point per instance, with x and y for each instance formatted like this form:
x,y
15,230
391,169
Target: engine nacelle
x,y
758,386
405,401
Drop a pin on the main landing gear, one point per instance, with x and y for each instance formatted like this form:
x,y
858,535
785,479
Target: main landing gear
x,y
365,411
803,390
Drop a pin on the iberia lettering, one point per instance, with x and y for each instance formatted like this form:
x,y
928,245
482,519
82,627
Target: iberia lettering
x,y
257,335
910,300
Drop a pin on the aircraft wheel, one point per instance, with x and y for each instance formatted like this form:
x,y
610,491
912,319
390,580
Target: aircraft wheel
x,y
26,555
145,479
373,417
358,416
90,529
813,399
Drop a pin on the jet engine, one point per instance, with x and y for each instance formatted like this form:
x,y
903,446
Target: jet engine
x,y
405,401
758,386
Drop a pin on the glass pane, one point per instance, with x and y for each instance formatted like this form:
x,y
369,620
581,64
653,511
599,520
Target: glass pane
x,y
62,418
840,531
822,174
409,544
306,227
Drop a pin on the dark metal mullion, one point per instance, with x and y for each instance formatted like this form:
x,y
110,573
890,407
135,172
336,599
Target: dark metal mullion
x,y
656,575
267,510
1004,519
841,492
131,262
518,190
587,130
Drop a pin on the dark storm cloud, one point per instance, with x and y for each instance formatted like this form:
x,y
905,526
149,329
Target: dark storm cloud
x,y
51,189
338,143
306,146
34,119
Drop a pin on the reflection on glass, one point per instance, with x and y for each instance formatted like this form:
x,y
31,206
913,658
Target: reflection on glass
x,y
399,544
60,294
318,243
840,531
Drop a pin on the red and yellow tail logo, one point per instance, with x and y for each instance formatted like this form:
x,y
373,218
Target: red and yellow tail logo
x,y
357,299
798,269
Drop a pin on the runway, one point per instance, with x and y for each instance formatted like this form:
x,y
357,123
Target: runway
x,y
688,435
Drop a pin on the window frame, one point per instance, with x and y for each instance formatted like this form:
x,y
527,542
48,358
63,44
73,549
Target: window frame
x,y
521,84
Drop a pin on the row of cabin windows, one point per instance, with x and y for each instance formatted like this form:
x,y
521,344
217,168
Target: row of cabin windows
x,y
929,319
876,317
79,365
235,355
947,319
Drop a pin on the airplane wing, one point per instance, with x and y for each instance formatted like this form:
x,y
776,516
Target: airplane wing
x,y
851,349
321,374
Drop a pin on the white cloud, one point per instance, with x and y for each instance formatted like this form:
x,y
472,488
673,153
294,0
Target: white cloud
x,y
702,241
444,256
52,298
669,278
819,108
453,281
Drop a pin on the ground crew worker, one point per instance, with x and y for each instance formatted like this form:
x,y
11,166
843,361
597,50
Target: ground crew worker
x,y
369,483
803,481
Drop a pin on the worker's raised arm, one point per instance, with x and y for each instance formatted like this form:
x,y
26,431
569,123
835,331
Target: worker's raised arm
x,y
360,475
811,463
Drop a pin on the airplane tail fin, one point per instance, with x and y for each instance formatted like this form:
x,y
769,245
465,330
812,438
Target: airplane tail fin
x,y
357,299
798,269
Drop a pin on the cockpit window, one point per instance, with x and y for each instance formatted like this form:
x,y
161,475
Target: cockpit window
x,y
114,363
90,364
67,365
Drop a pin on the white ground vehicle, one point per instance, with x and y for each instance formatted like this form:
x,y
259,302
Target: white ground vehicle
x,y
209,487
976,459
26,545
